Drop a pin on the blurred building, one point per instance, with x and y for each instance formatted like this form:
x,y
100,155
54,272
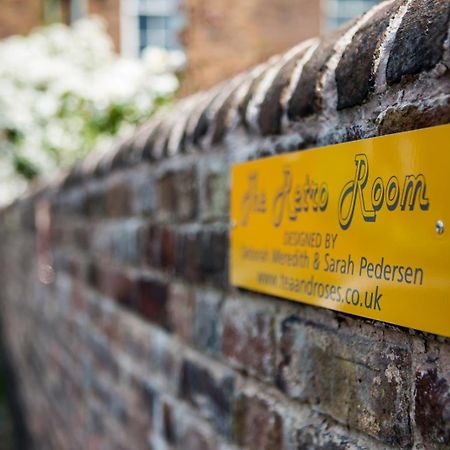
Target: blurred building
x,y
227,36
19,16
220,37
223,37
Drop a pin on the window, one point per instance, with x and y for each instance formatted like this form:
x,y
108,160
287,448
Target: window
x,y
78,10
337,12
154,23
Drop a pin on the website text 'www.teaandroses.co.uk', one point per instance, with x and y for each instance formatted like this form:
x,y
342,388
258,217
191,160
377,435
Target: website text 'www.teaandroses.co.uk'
x,y
310,287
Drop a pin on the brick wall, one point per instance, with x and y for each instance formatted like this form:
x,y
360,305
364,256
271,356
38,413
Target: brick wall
x,y
226,36
115,300
20,16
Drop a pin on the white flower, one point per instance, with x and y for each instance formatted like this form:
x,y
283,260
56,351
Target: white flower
x,y
177,60
160,61
63,92
164,84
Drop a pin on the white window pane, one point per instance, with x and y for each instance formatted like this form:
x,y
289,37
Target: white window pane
x,y
158,7
159,31
156,38
158,23
78,10
348,8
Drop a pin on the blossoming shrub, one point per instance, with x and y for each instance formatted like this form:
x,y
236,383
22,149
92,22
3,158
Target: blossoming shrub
x,y
64,92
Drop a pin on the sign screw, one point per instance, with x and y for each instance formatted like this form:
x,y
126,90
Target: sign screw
x,y
440,227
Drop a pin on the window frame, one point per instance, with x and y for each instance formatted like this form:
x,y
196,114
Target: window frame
x,y
77,10
131,13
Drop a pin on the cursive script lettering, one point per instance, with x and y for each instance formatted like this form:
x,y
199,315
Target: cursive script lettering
x,y
253,200
392,194
293,199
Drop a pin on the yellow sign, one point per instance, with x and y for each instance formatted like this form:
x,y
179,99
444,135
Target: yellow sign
x,y
356,227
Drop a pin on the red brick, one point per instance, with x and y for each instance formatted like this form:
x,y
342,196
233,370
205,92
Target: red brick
x,y
181,310
152,300
257,425
248,338
119,198
211,391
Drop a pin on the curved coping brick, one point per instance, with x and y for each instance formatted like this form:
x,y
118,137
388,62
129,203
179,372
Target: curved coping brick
x,y
355,76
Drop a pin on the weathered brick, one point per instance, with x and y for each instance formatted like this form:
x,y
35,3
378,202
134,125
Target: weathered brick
x,y
211,391
201,128
27,210
121,157
68,263
411,117
221,119
191,435
80,238
161,138
432,408
152,300
192,315
206,327
150,240
166,196
161,244
355,77
148,150
101,236
213,255
186,194
118,198
248,336
186,255
177,194
142,398
131,340
270,113
103,357
147,396
125,242
181,310
314,437
144,193
213,195
169,425
168,239
257,425
305,99
431,392
121,287
102,315
114,283
419,41
71,202
164,358
367,390
243,106
100,390
95,201
73,177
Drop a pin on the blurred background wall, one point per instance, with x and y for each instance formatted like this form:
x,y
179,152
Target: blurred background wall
x,y
19,16
220,37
